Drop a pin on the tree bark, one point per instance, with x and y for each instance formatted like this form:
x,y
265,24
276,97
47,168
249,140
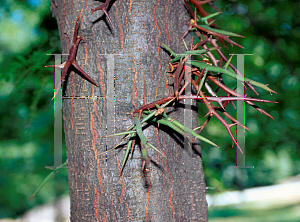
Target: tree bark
x,y
97,192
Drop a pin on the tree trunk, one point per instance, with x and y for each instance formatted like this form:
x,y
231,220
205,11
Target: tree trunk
x,y
176,190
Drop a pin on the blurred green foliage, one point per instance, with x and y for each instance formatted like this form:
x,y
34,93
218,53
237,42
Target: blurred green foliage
x,y
272,31
234,213
28,33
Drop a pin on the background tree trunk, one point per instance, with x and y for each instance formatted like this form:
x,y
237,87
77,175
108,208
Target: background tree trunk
x,y
97,192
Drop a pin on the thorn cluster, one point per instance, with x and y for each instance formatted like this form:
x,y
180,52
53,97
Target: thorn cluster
x,y
66,66
73,50
71,61
204,73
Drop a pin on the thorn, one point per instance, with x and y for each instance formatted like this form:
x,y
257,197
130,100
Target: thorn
x,y
209,113
233,105
61,66
103,8
143,164
211,22
233,124
197,128
220,103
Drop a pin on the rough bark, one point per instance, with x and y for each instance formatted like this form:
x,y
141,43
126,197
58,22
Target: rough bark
x,y
97,192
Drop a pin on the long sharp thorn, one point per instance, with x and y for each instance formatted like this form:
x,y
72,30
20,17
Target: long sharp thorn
x,y
76,27
157,150
61,66
202,81
228,62
233,124
120,134
46,179
86,76
104,10
57,90
211,22
126,153
204,124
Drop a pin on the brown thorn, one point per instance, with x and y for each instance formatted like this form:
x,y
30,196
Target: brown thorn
x,y
103,8
143,164
189,8
76,27
233,124
86,76
204,124
183,88
213,43
232,92
209,113
233,105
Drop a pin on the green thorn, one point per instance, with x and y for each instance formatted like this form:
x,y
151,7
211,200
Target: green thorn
x,y
127,152
153,147
228,62
46,179
202,81
120,134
